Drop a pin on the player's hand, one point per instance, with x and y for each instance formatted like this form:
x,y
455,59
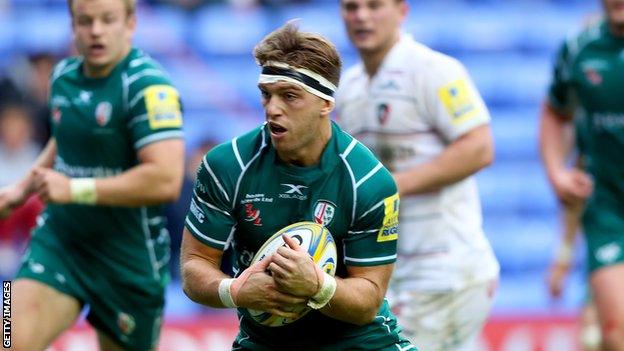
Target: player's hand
x,y
572,186
556,278
11,197
256,289
294,271
51,186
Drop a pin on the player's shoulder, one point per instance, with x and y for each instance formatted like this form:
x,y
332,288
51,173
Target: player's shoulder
x,y
352,74
66,68
369,176
579,39
437,64
141,71
235,155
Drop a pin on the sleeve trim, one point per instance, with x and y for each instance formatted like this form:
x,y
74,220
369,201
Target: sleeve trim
x,y
203,236
370,259
354,232
171,134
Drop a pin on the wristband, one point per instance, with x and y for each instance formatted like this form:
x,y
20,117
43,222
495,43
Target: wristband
x,y
325,293
564,254
82,191
225,293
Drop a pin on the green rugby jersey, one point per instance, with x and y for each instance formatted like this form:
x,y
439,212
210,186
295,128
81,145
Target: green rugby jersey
x,y
100,124
587,83
244,194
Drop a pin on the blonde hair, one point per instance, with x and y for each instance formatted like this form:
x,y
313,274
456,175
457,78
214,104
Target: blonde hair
x,y
130,6
300,49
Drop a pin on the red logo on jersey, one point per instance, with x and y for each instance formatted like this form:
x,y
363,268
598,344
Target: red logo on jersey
x,y
252,215
103,112
593,76
383,113
56,115
324,212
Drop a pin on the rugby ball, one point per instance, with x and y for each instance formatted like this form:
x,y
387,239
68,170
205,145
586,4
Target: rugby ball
x,y
317,241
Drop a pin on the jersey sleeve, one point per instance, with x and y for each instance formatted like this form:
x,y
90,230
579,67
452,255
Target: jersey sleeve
x,y
453,102
372,236
560,91
155,111
209,218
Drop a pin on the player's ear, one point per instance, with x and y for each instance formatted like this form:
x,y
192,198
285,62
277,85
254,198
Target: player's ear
x,y
328,107
131,22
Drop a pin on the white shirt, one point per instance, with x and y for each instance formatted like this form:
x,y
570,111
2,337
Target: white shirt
x,y
418,102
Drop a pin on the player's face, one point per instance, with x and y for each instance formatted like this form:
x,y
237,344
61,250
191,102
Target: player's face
x,y
372,24
615,11
294,117
102,33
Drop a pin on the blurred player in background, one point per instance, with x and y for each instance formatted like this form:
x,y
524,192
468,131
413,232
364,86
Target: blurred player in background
x,y
559,270
297,166
586,85
116,155
419,111
564,257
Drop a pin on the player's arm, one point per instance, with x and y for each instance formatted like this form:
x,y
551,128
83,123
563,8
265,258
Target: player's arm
x,y
201,274
454,108
564,255
354,299
358,297
463,157
156,179
14,195
571,185
204,282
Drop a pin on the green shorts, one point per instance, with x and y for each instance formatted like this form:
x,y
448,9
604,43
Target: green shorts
x,y
604,232
402,345
130,315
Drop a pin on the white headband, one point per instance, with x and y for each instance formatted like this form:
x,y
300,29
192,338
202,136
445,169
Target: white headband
x,y
312,82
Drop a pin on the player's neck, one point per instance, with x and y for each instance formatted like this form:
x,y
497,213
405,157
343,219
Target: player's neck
x,y
372,59
309,155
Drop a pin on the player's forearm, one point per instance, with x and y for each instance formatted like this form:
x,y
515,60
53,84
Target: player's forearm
x,y
571,222
44,160
356,301
553,140
200,281
144,184
156,179
462,158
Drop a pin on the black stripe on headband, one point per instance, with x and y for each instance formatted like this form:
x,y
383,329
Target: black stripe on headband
x,y
303,78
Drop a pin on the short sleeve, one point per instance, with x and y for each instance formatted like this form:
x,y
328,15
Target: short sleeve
x,y
454,103
155,113
209,218
560,92
372,238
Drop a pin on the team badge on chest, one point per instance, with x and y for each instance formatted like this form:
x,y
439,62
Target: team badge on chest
x,y
324,212
103,112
